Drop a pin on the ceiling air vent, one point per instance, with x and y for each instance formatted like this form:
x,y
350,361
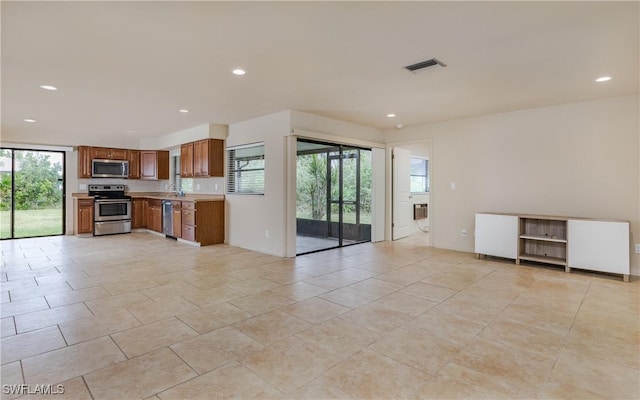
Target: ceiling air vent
x,y
430,64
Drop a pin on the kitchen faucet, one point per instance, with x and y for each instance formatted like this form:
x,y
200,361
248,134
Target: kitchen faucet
x,y
176,192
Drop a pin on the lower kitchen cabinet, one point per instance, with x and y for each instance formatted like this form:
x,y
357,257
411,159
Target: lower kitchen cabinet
x,y
154,215
177,218
203,222
139,214
84,216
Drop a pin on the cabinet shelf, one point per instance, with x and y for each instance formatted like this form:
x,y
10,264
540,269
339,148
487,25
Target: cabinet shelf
x,y
543,259
543,238
588,244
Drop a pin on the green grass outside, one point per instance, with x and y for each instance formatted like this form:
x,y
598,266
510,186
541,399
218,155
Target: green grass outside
x,y
32,223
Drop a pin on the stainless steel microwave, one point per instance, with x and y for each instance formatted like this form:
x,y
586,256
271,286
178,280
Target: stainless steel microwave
x,y
109,168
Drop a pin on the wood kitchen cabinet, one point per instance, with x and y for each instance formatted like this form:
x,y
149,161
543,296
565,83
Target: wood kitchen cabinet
x,y
84,216
203,221
154,165
134,164
203,158
186,160
208,158
110,154
84,162
154,215
139,214
177,218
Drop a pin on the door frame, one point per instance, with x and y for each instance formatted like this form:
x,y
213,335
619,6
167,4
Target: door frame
x,y
389,178
341,147
15,148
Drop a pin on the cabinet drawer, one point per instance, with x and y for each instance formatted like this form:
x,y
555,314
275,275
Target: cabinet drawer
x,y
188,232
85,203
188,216
155,203
188,205
176,204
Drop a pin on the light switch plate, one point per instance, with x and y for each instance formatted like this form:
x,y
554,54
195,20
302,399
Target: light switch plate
x,y
637,248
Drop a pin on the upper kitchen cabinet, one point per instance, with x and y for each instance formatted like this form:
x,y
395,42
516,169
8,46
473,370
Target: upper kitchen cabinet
x,y
84,162
186,160
208,158
134,164
154,165
110,154
201,159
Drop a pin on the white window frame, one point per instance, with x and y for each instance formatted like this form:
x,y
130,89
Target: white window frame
x,y
428,182
232,172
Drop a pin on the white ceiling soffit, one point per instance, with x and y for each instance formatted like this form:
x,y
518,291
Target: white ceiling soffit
x,y
124,69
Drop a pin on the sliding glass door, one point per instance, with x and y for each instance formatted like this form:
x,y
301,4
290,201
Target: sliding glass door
x,y
333,196
31,193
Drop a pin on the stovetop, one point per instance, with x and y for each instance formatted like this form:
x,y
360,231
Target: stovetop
x,y
108,192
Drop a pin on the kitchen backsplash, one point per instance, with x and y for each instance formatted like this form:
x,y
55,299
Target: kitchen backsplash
x,y
199,185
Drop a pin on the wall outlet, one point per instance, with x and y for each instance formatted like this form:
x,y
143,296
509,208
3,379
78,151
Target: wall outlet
x,y
216,187
637,248
198,186
463,232
82,186
453,186
266,234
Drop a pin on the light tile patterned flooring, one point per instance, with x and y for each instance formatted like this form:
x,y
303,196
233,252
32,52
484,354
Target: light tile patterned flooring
x,y
138,316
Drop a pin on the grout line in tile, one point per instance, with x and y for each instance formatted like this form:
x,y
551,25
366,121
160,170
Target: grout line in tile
x,y
87,386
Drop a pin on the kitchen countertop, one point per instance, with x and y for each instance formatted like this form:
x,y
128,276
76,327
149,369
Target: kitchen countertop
x,y
163,196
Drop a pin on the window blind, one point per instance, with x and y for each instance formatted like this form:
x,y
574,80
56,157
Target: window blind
x,y
419,175
245,169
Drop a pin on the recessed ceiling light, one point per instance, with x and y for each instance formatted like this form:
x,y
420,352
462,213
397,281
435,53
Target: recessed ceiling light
x,y
239,71
399,126
29,120
184,110
131,131
603,79
391,115
48,87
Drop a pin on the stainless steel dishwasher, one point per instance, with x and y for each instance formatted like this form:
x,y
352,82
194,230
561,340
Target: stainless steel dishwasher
x,y
167,217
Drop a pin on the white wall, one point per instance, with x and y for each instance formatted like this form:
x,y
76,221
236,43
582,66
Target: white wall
x,y
248,216
337,131
575,160
174,140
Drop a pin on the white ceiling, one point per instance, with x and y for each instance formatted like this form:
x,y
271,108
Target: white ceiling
x,y
130,66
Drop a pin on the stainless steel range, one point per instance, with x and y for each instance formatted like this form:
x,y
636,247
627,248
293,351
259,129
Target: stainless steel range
x,y
112,209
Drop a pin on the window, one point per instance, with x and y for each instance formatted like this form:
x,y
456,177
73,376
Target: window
x,y
175,179
245,169
419,175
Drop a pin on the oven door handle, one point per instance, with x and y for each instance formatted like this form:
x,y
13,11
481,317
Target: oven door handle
x,y
112,201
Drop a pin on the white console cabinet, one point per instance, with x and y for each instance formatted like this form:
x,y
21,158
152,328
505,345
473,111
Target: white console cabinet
x,y
596,245
497,235
599,246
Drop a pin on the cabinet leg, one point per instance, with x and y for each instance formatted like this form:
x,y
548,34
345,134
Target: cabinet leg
x,y
567,269
625,278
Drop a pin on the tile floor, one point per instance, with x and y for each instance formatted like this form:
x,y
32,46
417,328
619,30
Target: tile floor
x,y
137,316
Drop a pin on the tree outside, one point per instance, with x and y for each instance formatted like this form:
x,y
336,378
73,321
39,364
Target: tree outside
x,y
37,193
311,195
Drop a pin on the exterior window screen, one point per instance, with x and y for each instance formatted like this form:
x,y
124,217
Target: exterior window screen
x,y
245,169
